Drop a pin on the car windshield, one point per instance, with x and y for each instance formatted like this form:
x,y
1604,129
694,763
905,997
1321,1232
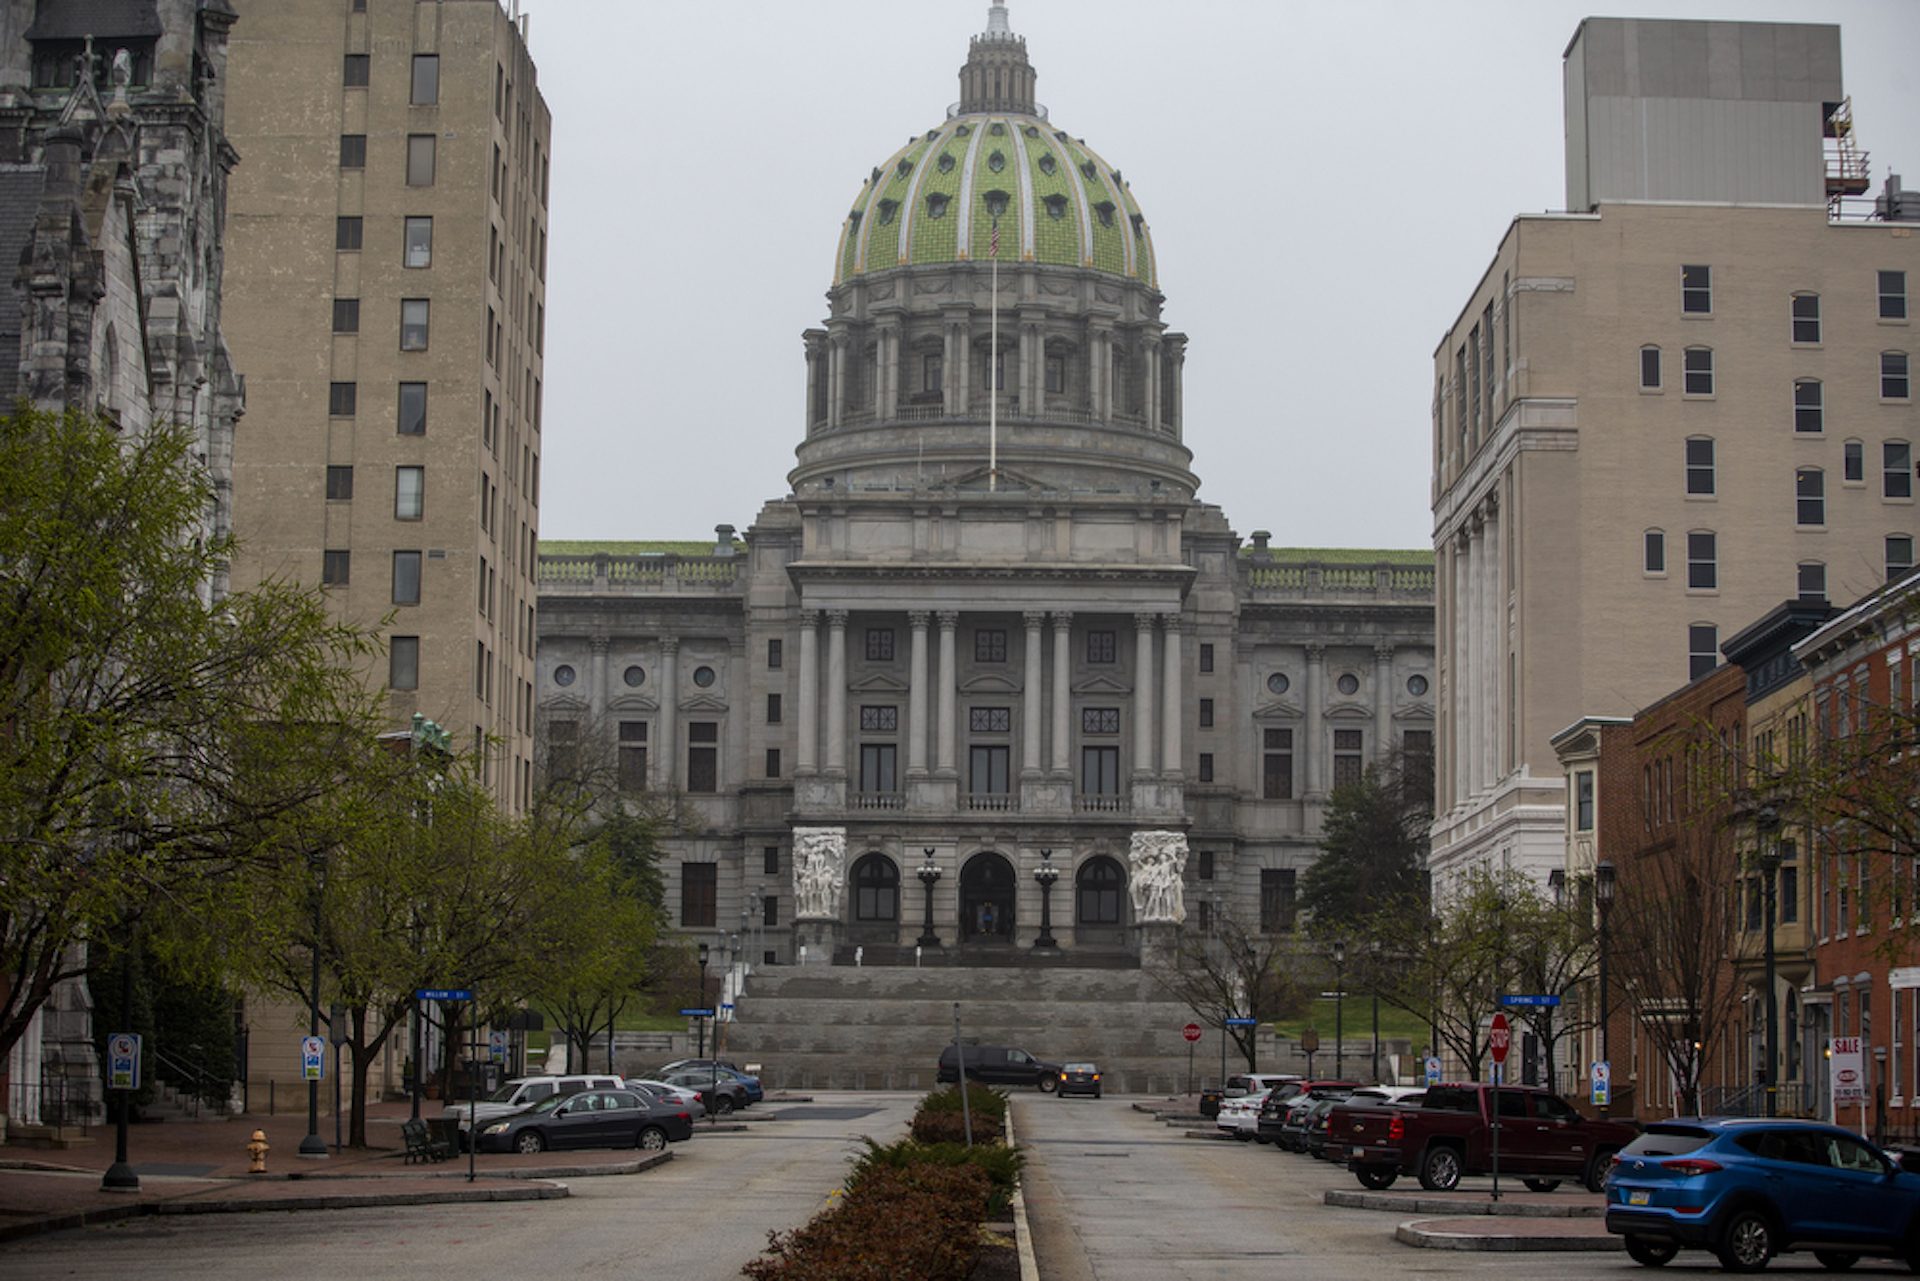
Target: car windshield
x,y
1668,1140
505,1093
549,1103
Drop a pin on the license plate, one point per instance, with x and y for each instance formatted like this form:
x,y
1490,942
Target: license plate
x,y
1636,1198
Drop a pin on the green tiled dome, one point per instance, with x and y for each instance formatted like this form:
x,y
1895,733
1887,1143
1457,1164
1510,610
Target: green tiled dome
x,y
931,203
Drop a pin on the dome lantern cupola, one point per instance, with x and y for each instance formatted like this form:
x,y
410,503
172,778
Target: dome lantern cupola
x,y
997,75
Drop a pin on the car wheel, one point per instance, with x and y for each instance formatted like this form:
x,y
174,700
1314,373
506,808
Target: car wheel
x,y
1746,1242
1096,1094
1649,1253
1595,1178
1440,1169
722,1105
653,1139
1240,1136
1261,1138
1541,1185
1836,1260
529,1141
1376,1178
1048,1083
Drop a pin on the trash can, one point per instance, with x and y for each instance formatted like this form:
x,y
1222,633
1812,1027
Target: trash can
x,y
1210,1103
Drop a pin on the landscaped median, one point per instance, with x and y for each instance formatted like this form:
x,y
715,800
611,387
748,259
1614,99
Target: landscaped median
x,y
917,1207
1472,1220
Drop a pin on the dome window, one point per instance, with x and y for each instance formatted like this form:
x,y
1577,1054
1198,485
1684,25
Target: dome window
x,y
1118,181
996,202
963,131
853,220
932,134
937,204
875,177
997,129
904,168
1047,166
996,162
1105,210
888,208
1032,132
1139,225
1092,173
946,163
1056,206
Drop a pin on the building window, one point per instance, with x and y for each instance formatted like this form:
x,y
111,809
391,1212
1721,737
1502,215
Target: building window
x,y
406,578
414,314
1583,800
420,158
336,568
1649,368
635,676
1099,720
1896,469
403,662
770,916
1899,555
353,151
876,889
773,655
1206,713
704,677
1099,770
881,719
1809,405
1206,657
1056,366
1703,649
773,762
879,763
1893,295
770,862
1810,490
879,644
932,374
989,646
773,709
1812,580
426,80
1893,376
417,248
412,402
1806,318
1277,766
409,493
987,773
1418,743
355,73
1703,572
1699,371
342,399
1696,290
346,315
1100,647
1656,552
1853,462
703,756
339,482
1206,767
990,720
699,894
1346,757
1276,900
1348,684
1787,891
347,233
632,763
1700,465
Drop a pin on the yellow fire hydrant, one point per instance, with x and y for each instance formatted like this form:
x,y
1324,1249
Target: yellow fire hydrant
x,y
257,1149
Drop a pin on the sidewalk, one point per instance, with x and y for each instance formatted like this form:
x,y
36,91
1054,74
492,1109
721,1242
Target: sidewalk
x,y
1469,1219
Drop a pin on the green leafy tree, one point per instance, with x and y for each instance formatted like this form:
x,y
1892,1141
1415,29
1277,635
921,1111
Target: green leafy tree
x,y
1373,847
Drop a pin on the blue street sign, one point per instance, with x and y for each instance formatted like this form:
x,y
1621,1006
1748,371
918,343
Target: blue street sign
x,y
696,1014
1530,1000
443,993
1241,1022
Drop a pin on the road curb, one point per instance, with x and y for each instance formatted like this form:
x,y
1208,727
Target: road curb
x,y
1206,1134
527,1191
1427,1234
635,1166
1022,1233
1438,1206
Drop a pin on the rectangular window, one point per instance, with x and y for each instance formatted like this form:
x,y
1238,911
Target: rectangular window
x,y
932,372
353,151
1893,295
773,655
1099,720
990,720
1853,462
879,768
1276,900
1206,657
346,315
632,763
406,578
1056,375
1702,566
426,80
339,482
1813,580
354,74
1899,555
1346,757
770,862
1809,405
699,894
420,159
1583,801
409,493
1650,368
1418,743
1699,371
879,644
1703,649
342,399
417,250
1810,496
1203,865
1700,465
773,762
703,756
347,233
1100,647
414,316
412,409
1206,767
883,718
403,662
773,709
1893,376
987,770
1277,767
1206,713
1696,290
336,568
1806,318
989,646
1787,894
770,916
1896,467
1100,771
1656,554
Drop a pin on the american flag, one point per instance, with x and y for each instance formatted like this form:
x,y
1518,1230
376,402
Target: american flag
x,y
993,244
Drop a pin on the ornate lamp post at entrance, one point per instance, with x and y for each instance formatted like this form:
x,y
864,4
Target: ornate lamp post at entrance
x,y
1766,826
929,876
1373,951
1046,874
701,1053
1339,1001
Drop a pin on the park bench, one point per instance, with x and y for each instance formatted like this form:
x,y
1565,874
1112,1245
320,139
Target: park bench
x,y
421,1144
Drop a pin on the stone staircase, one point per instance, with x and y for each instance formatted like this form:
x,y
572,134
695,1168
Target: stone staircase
x,y
883,1026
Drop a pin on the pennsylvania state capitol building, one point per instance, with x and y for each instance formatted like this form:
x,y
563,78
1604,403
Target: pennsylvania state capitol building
x,y
989,640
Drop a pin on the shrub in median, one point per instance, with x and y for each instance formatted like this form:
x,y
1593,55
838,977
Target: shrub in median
x,y
980,1100
1000,1163
918,1220
951,1127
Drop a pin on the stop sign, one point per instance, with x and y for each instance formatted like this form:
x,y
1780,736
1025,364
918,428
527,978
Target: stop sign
x,y
1499,1037
1191,1031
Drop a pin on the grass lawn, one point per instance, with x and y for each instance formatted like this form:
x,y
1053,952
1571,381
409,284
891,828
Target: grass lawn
x,y
1357,1022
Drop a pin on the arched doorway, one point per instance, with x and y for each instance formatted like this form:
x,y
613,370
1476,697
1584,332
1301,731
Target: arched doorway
x,y
876,898
1100,902
986,899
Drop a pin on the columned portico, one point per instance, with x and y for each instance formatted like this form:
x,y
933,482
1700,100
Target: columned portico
x,y
1171,712
1030,699
1062,694
944,746
917,697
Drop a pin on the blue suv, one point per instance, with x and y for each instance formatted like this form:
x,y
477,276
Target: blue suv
x,y
1748,1189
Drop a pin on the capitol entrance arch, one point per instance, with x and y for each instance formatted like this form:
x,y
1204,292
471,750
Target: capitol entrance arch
x,y
986,899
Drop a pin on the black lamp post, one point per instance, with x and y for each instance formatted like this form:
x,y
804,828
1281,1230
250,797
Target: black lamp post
x,y
701,1053
760,921
1767,829
1373,951
1339,1003
929,876
1046,874
1603,896
313,1145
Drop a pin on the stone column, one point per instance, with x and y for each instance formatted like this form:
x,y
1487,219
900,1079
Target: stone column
x,y
1382,701
1030,697
1176,370
1153,382
887,378
597,676
815,340
1461,742
1313,697
1100,373
917,697
963,366
665,764
836,693
1496,626
836,377
806,749
1172,718
1476,641
949,677
1142,695
1062,694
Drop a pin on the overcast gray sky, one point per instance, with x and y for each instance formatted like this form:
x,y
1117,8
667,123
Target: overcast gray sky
x,y
1325,183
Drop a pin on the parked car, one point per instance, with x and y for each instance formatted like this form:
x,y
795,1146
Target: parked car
x,y
1273,1110
521,1093
1750,1188
684,1096
721,1096
1313,1130
998,1065
1293,1130
1079,1078
1542,1139
1244,1083
590,1119
1338,1127
1240,1117
689,1065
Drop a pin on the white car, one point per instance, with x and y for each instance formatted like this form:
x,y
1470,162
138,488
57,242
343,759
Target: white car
x,y
679,1095
1240,1117
522,1093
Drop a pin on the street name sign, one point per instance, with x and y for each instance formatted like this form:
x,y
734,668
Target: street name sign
x,y
1540,999
692,1013
1499,1037
1191,1031
443,994
1241,1022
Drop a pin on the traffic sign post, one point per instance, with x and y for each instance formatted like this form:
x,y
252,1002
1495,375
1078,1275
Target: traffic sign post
x,y
1602,1082
1432,1067
313,1058
1192,1032
497,1047
1252,1063
1499,1040
123,1061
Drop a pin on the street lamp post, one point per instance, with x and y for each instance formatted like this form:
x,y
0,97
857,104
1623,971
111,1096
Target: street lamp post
x,y
313,1145
1373,951
1767,827
929,875
1603,896
702,1003
1339,1003
760,921
1046,874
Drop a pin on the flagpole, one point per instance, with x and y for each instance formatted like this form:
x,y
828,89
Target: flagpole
x,y
993,366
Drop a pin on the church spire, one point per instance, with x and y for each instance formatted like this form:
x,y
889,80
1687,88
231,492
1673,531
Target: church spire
x,y
997,75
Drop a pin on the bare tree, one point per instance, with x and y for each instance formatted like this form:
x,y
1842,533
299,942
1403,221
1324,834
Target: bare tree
x,y
1230,972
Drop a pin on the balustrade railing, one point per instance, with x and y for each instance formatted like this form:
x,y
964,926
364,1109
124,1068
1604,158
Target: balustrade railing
x,y
879,800
663,572
1314,577
1100,803
991,802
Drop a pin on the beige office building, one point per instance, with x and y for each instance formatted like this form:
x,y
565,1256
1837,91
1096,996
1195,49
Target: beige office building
x,y
1664,412
386,301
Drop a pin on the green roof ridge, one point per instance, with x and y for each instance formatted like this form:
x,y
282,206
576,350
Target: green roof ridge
x,y
631,546
1349,555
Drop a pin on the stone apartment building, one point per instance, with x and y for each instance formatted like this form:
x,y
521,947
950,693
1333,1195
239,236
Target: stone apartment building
x,y
1660,413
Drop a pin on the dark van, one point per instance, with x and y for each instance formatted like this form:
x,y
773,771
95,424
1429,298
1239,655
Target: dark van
x,y
999,1065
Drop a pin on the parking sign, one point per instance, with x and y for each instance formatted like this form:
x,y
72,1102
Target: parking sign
x,y
123,1061
1602,1080
313,1058
1433,1069
497,1047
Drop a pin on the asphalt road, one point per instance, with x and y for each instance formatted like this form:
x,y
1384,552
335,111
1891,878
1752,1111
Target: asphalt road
x,y
700,1217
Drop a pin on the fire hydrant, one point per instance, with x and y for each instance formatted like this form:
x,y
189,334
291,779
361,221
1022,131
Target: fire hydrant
x,y
257,1149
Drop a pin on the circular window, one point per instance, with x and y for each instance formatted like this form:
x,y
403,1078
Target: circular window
x,y
1416,685
1278,682
563,675
635,675
1348,683
703,676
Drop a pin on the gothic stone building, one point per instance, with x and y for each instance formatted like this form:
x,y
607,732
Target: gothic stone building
x,y
990,638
